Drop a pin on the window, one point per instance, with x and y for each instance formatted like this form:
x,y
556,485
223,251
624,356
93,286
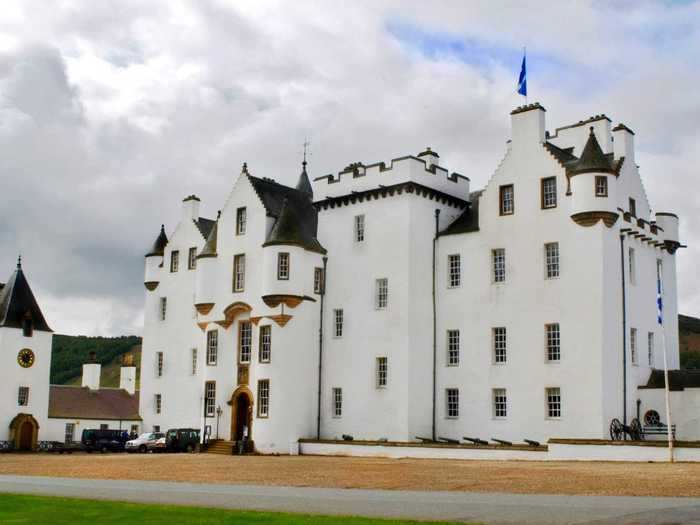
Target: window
x,y
452,403
158,402
23,396
174,260
633,345
104,426
265,343
238,272
337,402
601,186
499,344
633,207
454,271
163,307
245,339
659,271
135,429
382,371
263,397
507,203
500,403
194,361
553,400
551,259
632,266
382,293
552,341
549,192
338,319
452,347
210,397
283,266
498,262
192,259
27,326
156,428
159,364
69,434
318,280
650,348
212,346
359,228
241,220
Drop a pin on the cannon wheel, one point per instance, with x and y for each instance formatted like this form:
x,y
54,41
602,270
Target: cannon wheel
x,y
636,432
616,430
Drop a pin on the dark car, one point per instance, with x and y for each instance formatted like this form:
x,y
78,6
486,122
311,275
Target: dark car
x,y
182,440
104,440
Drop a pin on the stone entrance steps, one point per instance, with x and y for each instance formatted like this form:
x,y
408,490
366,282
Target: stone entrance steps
x,y
221,446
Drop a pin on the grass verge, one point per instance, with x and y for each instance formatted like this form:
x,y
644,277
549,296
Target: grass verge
x,y
20,509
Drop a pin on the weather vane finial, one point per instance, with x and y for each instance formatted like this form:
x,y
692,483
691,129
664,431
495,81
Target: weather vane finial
x,y
19,261
306,146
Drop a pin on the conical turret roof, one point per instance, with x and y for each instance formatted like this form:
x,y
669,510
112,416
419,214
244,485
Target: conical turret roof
x,y
159,245
304,184
17,303
592,158
287,227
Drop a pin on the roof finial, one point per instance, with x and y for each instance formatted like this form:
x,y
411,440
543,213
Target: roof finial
x,y
245,168
19,261
306,146
591,132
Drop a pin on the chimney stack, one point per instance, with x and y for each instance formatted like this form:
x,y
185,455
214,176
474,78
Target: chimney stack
x,y
623,143
190,208
527,125
91,372
127,374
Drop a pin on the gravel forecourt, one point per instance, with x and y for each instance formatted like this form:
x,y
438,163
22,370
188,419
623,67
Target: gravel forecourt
x,y
519,477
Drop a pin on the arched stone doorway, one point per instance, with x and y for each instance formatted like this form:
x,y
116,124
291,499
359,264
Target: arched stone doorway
x,y
242,415
24,432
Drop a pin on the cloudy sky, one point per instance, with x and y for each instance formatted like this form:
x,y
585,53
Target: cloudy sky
x,y
112,111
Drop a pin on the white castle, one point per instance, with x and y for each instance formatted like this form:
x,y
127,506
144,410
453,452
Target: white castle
x,y
391,302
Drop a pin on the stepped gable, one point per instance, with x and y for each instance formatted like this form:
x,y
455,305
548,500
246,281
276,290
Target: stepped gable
x,y
74,402
17,303
468,221
299,222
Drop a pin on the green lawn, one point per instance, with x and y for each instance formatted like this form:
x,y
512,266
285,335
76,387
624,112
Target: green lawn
x,y
16,509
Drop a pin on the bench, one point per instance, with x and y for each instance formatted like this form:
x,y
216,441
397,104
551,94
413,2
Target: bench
x,y
658,430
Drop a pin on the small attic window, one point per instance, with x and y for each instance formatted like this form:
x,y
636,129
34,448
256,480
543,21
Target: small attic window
x,y
633,207
27,326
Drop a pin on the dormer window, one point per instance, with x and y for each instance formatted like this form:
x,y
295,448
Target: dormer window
x,y
27,326
507,200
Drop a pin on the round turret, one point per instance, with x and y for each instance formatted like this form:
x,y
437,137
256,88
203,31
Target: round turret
x,y
154,261
593,180
668,222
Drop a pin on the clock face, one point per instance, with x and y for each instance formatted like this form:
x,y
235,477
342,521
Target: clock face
x,y
25,358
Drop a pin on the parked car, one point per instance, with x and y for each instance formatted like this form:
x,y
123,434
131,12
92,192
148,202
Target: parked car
x,y
140,444
158,445
182,440
104,440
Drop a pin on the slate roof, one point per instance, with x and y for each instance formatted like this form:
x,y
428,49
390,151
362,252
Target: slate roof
x,y
209,249
592,158
74,402
304,184
17,302
298,224
160,243
677,379
468,221
205,226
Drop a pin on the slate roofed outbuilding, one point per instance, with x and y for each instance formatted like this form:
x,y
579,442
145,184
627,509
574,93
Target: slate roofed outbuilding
x,y
73,402
17,303
298,224
677,379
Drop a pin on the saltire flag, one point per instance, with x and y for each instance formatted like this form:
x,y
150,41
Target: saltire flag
x,y
522,80
659,303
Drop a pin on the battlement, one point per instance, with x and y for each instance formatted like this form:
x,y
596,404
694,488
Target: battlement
x,y
422,169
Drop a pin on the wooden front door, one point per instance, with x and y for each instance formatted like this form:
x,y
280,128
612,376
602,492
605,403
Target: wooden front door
x,y
26,435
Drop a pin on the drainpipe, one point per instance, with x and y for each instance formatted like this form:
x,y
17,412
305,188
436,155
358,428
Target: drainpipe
x,y
624,334
435,238
320,347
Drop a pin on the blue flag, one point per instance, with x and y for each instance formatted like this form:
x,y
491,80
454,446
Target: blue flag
x,y
522,81
659,303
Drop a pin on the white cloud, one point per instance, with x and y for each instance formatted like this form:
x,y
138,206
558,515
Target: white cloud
x,y
112,111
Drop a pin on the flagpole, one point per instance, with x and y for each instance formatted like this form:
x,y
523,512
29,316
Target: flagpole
x,y
524,57
669,427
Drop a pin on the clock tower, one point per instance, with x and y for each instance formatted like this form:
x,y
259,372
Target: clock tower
x,y
25,362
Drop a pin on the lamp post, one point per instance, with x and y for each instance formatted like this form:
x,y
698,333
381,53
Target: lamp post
x,y
218,415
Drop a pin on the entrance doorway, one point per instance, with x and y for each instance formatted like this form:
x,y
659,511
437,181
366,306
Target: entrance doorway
x,y
26,435
242,415
24,431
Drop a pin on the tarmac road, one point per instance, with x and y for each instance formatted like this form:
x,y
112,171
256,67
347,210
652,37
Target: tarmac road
x,y
489,509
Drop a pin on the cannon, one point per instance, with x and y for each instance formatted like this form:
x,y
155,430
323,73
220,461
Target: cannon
x,y
633,430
